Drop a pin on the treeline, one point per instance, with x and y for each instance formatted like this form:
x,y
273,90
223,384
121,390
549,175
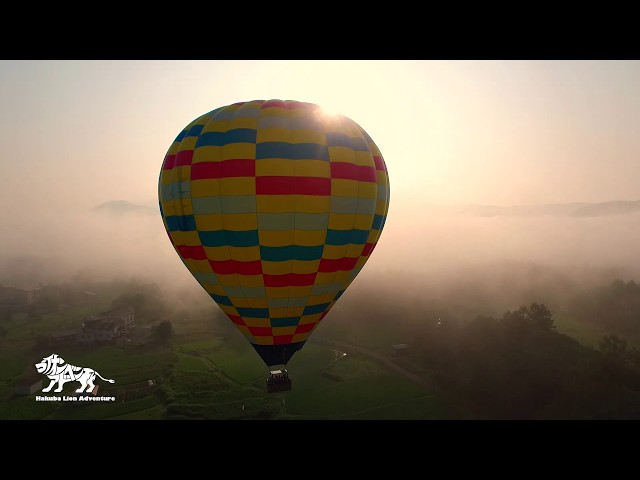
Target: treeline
x,y
148,300
518,367
512,365
615,307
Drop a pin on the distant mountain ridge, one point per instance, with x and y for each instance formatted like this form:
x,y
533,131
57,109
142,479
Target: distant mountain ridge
x,y
576,209
124,207
617,207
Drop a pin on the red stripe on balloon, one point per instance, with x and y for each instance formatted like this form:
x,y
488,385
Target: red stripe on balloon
x,y
193,252
349,171
282,339
307,327
238,168
169,161
261,331
367,249
236,319
379,163
183,157
226,169
289,280
228,267
334,264
205,170
293,186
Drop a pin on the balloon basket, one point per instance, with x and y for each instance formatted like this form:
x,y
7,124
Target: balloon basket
x,y
278,381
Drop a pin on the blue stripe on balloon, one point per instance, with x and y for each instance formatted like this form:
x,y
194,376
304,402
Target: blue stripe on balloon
x,y
253,312
285,322
221,299
335,139
183,223
180,136
312,309
291,252
292,151
221,238
344,237
220,139
194,131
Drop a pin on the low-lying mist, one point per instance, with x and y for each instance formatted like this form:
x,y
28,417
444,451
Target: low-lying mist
x,y
471,264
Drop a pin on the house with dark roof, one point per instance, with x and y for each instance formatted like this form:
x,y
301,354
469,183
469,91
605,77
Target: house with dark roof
x,y
107,326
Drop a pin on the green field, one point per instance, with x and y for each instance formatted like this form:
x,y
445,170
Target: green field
x,y
208,373
586,334
223,378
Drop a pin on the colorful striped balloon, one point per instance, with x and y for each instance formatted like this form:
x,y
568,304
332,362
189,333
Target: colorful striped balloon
x,y
274,206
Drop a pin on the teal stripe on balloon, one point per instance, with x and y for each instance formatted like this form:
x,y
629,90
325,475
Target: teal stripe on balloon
x,y
344,237
253,312
292,151
221,238
183,223
285,322
335,139
220,139
291,252
312,309
194,131
222,300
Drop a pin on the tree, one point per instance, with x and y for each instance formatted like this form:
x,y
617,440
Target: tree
x,y
615,350
540,315
164,330
535,314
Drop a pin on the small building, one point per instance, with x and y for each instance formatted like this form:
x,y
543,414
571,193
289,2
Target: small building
x,y
107,326
28,386
400,348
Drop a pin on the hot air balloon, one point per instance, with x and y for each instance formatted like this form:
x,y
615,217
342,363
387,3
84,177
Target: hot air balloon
x,y
274,206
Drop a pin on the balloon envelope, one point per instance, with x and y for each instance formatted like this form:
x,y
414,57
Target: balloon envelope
x,y
274,207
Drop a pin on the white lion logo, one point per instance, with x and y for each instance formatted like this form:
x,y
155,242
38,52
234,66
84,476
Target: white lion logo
x,y
54,367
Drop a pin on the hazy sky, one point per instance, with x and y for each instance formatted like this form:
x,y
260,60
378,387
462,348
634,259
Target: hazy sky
x,y
78,133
